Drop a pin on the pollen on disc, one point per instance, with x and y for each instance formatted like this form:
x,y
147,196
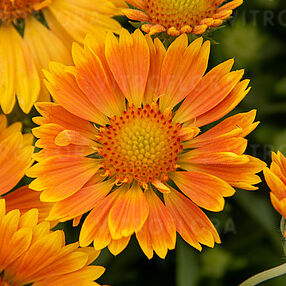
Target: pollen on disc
x,y
140,145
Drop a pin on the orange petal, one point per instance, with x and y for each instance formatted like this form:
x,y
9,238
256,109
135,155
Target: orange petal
x,y
275,184
225,106
157,54
117,246
129,213
80,202
182,69
95,227
233,145
238,125
129,61
239,175
47,135
62,176
62,84
205,190
279,205
159,231
94,82
191,223
212,89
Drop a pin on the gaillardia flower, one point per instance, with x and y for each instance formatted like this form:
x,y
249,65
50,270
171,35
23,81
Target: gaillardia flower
x,y
31,254
34,32
276,180
180,16
124,142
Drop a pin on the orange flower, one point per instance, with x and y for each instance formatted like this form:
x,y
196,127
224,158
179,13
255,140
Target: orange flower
x,y
35,32
123,141
180,16
276,180
31,254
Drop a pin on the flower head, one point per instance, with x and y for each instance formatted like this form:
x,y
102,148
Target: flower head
x,y
180,16
124,142
28,27
31,254
276,180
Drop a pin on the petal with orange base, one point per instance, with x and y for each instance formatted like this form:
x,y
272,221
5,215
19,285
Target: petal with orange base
x,y
159,232
235,145
80,202
129,213
94,82
239,125
129,61
217,87
191,222
203,189
240,176
56,114
62,176
95,227
63,87
157,54
182,69
226,106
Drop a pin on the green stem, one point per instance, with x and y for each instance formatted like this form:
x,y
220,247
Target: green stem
x,y
266,275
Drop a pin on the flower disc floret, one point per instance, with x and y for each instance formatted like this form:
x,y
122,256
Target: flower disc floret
x,y
141,145
11,10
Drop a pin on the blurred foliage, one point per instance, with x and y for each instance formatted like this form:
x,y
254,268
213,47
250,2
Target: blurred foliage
x,y
249,227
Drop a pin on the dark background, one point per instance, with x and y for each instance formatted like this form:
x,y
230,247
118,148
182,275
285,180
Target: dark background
x,y
249,226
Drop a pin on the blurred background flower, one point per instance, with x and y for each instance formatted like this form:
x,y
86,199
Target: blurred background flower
x,y
35,32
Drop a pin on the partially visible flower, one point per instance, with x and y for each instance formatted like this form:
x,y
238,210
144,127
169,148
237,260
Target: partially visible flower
x,y
16,152
276,180
123,142
180,16
31,254
34,32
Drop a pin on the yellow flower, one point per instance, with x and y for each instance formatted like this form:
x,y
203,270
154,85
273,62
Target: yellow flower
x,y
180,16
118,144
31,254
23,57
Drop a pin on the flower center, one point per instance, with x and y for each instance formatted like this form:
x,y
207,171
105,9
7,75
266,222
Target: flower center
x,y
179,13
11,10
140,145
